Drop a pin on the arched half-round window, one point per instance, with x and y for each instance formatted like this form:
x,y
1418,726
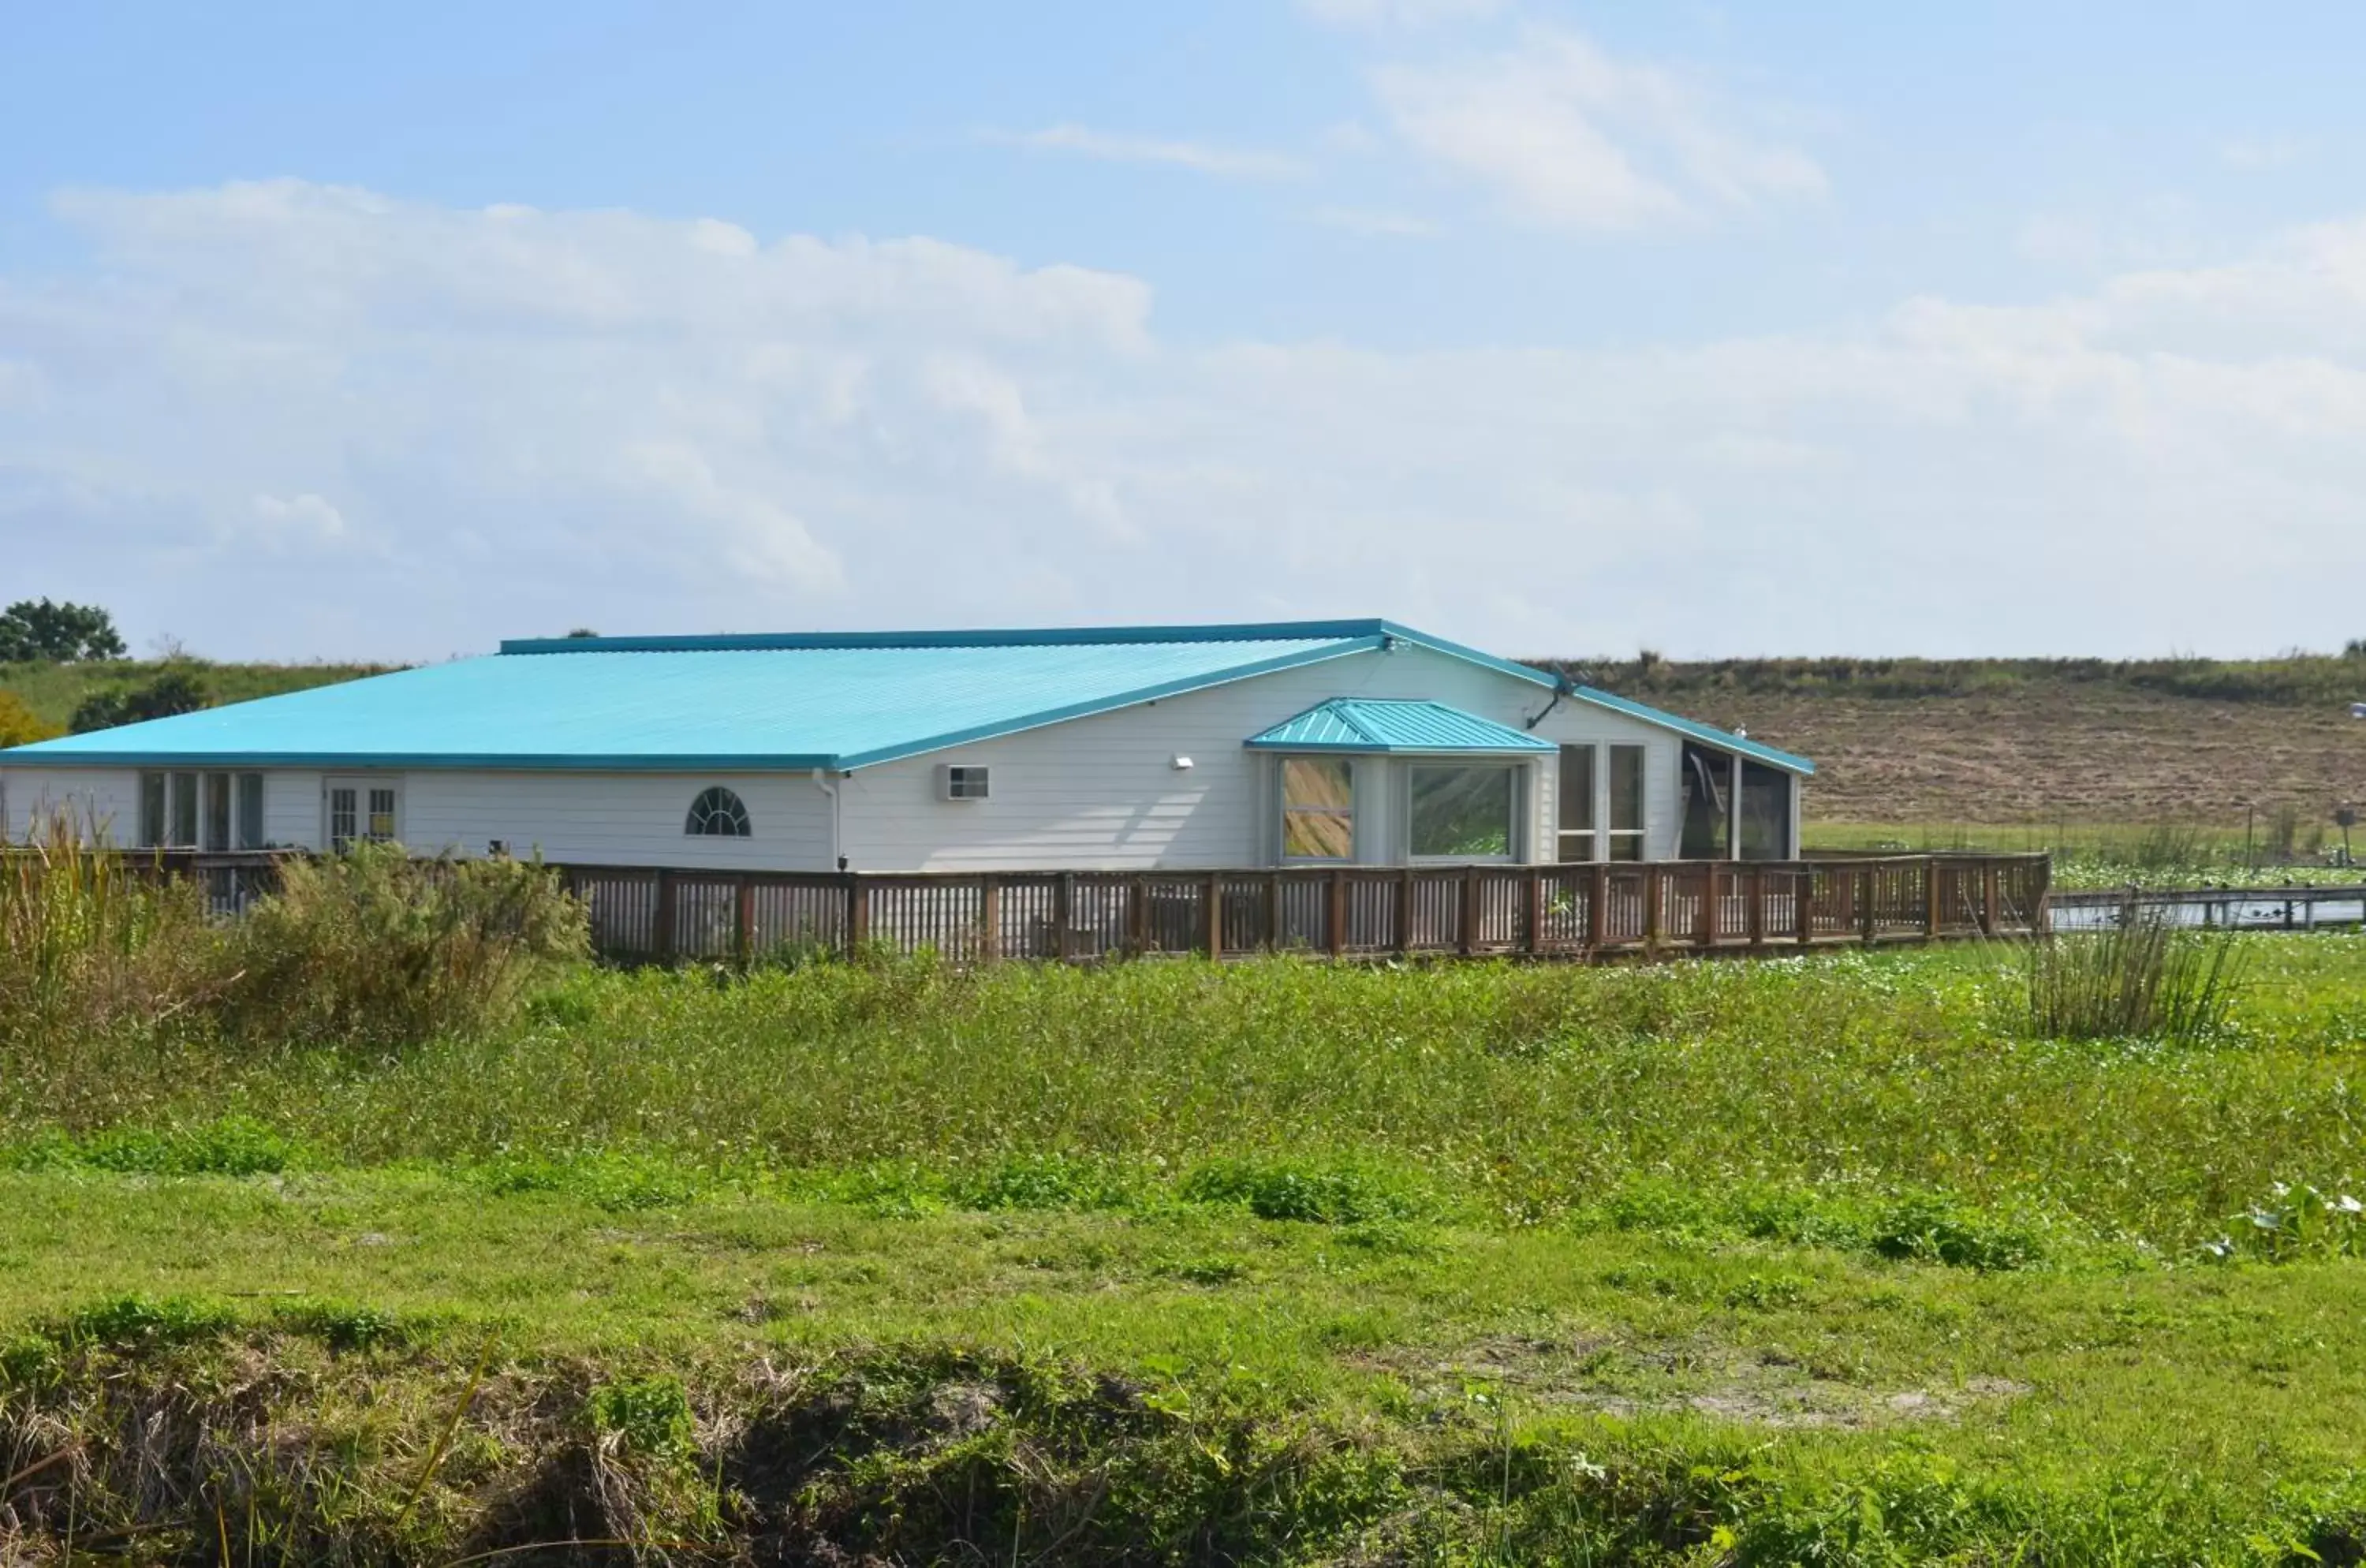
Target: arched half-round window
x,y
717,813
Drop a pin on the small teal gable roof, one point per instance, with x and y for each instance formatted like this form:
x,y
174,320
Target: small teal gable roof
x,y
832,700
1380,724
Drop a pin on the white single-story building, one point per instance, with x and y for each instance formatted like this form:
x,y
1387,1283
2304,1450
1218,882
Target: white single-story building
x,y
1164,748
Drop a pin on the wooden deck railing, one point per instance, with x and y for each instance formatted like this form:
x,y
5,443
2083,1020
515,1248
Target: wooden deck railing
x,y
1593,911
1559,911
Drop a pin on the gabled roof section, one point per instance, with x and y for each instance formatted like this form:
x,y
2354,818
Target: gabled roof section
x,y
1707,734
1389,725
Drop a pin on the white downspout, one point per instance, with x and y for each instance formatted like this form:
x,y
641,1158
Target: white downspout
x,y
828,786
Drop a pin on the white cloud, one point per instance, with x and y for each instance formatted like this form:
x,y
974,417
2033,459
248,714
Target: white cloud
x,y
519,420
1200,157
1562,134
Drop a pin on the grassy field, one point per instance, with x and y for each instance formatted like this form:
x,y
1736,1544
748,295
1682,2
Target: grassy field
x,y
53,691
1826,1259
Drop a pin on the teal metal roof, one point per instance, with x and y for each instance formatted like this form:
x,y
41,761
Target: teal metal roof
x,y
1382,723
835,700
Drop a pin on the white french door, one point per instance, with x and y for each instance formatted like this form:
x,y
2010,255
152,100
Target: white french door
x,y
360,810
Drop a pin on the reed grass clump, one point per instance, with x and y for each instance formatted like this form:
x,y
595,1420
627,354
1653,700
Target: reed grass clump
x,y
2143,979
92,944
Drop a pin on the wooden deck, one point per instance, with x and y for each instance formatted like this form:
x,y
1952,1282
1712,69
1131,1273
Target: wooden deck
x,y
1595,911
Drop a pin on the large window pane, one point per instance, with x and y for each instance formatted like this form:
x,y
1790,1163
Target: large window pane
x,y
217,813
1576,805
1625,833
249,811
1708,803
1765,812
1318,808
1462,813
152,810
185,811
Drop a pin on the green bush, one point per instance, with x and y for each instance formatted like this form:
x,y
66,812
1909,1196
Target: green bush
x,y
374,947
1330,1194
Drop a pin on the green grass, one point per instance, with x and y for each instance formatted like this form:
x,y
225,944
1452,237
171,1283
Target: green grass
x,y
1815,1260
54,690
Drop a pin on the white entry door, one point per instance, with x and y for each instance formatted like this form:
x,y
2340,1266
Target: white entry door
x,y
359,810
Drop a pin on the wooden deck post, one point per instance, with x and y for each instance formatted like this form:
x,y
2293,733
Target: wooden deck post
x,y
1273,911
1468,921
989,920
1137,915
1213,915
1532,912
743,923
1598,907
1930,909
1064,915
1988,900
1704,937
1868,912
1653,877
1753,894
1403,912
1803,901
1338,921
662,938
858,913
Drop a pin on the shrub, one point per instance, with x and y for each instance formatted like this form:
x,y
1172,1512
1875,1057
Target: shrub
x,y
173,692
374,947
2146,979
19,725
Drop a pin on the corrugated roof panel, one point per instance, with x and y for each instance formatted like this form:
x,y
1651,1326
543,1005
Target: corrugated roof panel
x,y
1385,724
703,708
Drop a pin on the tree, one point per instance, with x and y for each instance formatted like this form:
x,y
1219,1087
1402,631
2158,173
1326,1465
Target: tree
x,y
36,629
19,725
176,690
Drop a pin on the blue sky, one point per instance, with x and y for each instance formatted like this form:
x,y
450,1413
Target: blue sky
x,y
1868,329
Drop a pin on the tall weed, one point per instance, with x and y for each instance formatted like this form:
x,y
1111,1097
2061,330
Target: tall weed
x,y
2145,979
91,943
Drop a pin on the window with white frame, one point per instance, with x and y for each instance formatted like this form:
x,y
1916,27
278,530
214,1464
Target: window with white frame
x,y
1318,808
718,813
363,811
1575,803
215,812
1462,810
1623,838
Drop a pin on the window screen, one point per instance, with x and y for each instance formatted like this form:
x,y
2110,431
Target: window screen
x,y
1708,803
1765,812
153,790
249,811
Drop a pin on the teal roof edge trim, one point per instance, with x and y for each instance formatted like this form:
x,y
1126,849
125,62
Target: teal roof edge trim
x,y
491,762
1006,637
1723,738
1105,704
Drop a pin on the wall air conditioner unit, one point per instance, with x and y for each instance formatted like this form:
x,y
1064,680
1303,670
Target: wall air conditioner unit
x,y
955,782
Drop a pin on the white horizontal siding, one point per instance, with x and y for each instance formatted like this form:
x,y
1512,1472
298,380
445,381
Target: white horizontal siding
x,y
1102,792
102,802
614,818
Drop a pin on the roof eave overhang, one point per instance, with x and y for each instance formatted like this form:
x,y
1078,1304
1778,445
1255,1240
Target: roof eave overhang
x,y
1371,749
